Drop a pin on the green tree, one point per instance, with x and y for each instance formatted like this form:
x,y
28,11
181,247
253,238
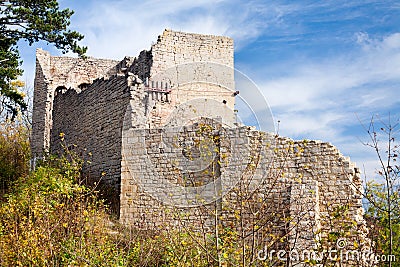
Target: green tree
x,y
12,99
31,20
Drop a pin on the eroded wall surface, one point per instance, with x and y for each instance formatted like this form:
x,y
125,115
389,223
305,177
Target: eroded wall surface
x,y
59,72
302,183
91,122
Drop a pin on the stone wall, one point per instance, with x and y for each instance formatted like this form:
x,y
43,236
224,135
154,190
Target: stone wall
x,y
178,59
300,182
59,72
176,48
92,120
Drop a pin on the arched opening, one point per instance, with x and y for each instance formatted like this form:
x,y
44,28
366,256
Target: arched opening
x,y
83,86
61,89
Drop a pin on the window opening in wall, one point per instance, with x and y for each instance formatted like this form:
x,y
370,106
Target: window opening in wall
x,y
83,86
61,89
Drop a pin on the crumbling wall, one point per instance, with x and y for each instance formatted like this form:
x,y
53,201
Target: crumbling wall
x,y
172,49
142,64
59,72
294,188
91,122
176,48
192,66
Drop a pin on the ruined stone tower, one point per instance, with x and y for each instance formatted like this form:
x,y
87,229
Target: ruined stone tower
x,y
87,99
146,127
56,75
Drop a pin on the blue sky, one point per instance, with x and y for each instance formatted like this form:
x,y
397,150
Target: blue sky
x,y
320,64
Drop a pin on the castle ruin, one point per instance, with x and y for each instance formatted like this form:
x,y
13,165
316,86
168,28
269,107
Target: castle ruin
x,y
147,131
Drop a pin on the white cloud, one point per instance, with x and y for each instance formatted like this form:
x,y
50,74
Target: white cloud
x,y
125,27
321,100
362,79
311,125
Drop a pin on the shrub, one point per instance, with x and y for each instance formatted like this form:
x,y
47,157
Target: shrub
x,y
14,152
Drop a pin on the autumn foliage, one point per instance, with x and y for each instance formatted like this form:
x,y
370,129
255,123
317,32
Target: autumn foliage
x,y
14,152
